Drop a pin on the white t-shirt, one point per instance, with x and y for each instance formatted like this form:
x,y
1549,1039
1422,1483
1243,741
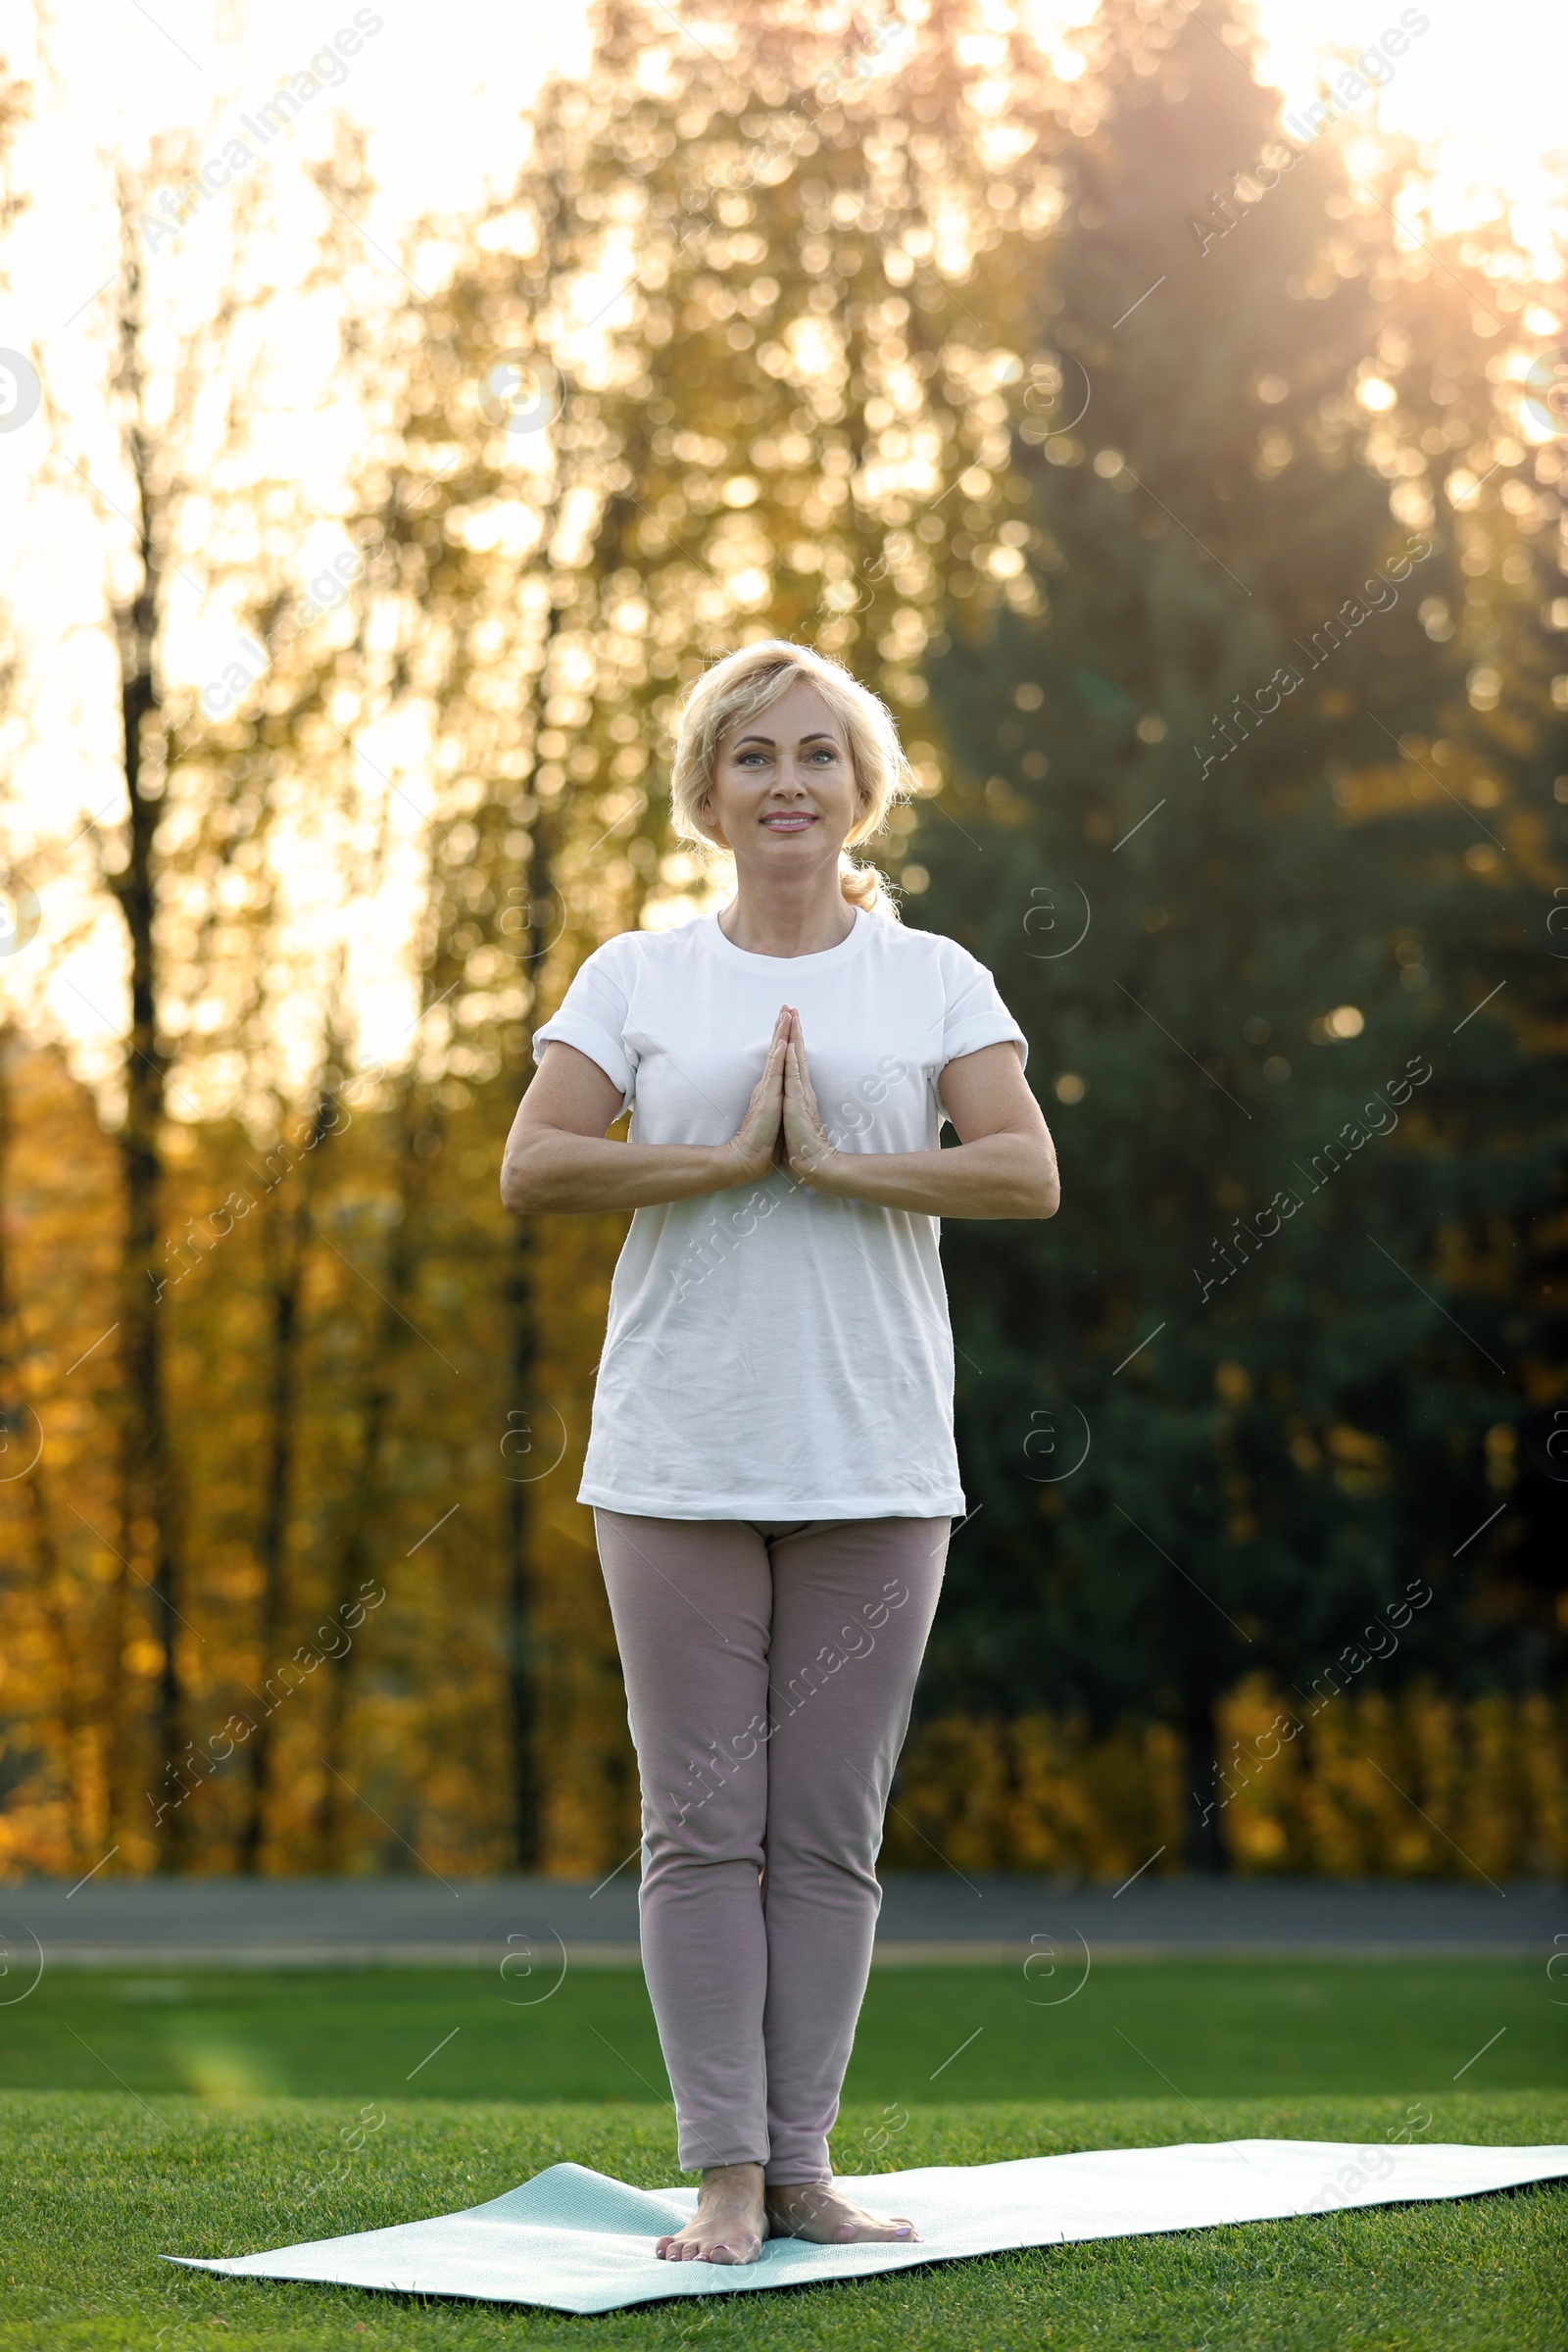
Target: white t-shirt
x,y
775,1353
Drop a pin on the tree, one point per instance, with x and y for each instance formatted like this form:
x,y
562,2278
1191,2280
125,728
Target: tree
x,y
1203,881
178,878
706,375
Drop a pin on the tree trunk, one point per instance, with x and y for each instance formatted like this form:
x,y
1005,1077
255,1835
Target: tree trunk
x,y
292,1233
419,1138
523,1681
149,1500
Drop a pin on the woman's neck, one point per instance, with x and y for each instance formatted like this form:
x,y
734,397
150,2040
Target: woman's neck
x,y
767,921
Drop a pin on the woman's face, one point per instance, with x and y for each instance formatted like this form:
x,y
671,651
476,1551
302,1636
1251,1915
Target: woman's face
x,y
783,797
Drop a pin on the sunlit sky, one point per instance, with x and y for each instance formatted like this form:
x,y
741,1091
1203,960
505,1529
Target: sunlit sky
x,y
1481,90
438,95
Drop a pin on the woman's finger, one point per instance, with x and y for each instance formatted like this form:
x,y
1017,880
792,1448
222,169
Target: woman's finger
x,y
802,1077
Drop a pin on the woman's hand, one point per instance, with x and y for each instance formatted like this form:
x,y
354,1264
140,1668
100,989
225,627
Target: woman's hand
x,y
810,1153
757,1142
560,1160
1004,1164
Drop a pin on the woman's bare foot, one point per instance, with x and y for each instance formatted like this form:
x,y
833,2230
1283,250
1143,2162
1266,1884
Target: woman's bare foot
x,y
729,2224
818,2210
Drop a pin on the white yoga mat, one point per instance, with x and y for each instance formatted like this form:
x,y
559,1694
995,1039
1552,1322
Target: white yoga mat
x,y
575,2240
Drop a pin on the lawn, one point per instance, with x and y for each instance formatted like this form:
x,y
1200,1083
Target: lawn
x,y
98,2185
1187,2029
216,2114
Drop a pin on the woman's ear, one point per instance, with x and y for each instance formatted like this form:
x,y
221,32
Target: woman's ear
x,y
862,809
710,824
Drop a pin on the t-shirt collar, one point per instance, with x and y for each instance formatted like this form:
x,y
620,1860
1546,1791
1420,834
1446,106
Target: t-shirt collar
x,y
728,952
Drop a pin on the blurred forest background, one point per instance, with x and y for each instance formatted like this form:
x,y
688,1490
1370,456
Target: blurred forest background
x,y
1204,524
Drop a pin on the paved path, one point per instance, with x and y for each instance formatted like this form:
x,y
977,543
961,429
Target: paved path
x,y
276,1923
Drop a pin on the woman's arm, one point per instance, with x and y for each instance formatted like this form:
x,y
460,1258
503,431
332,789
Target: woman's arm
x,y
559,1159
1003,1165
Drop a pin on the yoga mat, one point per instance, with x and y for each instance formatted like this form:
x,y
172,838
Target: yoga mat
x,y
575,2240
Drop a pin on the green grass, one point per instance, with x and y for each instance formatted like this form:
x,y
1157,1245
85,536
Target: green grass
x,y
216,2112
1226,2027
93,2187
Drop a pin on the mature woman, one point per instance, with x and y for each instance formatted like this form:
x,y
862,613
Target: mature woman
x,y
771,1463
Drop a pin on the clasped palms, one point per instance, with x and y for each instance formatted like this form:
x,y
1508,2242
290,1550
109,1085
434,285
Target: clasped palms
x,y
782,1126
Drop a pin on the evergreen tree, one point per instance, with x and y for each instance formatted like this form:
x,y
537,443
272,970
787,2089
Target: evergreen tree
x,y
1232,1404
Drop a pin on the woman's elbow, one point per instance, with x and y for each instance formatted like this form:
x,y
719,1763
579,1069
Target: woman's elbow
x,y
1045,1186
523,1189
1028,1186
1027,1196
1045,1198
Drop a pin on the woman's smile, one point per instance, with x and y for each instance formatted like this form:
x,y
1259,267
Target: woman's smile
x,y
789,820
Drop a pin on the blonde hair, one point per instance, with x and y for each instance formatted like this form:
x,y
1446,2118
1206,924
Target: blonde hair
x,y
744,684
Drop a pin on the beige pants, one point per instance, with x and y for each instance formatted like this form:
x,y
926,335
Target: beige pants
x,y
769,1682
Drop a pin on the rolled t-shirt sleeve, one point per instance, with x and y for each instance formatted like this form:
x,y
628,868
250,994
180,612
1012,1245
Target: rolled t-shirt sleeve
x,y
974,1014
592,1018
